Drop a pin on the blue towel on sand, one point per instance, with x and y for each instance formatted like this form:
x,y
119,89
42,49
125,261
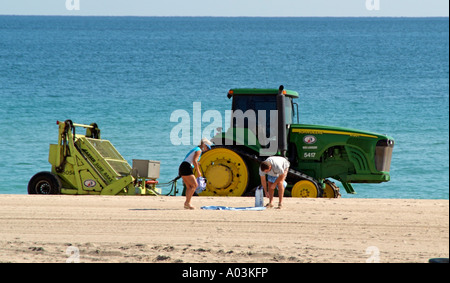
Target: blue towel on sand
x,y
233,208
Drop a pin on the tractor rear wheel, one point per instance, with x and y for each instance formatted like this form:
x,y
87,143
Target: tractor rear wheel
x,y
44,183
225,171
305,189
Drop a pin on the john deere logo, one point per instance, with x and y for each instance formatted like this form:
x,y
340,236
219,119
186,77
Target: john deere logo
x,y
90,183
310,139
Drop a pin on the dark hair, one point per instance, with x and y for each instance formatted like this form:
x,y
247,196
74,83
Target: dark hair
x,y
265,165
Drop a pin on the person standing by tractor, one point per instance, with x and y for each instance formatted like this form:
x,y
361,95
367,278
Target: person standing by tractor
x,y
276,168
187,167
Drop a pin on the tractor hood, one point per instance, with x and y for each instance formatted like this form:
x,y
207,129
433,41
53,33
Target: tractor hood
x,y
320,129
368,155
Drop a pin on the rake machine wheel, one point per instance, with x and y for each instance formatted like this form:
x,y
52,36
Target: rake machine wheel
x,y
44,183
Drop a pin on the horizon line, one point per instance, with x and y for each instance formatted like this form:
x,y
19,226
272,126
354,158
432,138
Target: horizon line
x,y
174,16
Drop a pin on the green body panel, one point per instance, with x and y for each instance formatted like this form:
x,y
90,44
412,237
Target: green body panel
x,y
239,137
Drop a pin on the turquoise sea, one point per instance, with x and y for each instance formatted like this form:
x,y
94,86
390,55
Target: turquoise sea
x,y
128,74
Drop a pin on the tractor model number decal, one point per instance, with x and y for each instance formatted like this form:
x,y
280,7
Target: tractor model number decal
x,y
309,155
90,183
309,139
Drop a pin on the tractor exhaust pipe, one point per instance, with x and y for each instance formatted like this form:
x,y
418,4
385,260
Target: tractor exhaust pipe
x,y
282,137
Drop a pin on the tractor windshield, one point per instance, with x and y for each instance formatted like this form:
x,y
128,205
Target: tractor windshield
x,y
256,103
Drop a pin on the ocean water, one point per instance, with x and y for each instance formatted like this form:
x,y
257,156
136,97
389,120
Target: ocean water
x,y
129,74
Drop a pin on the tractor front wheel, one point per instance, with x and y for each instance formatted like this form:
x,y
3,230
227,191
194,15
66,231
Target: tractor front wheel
x,y
305,189
44,183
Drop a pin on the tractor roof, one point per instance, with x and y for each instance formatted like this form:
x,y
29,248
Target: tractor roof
x,y
260,91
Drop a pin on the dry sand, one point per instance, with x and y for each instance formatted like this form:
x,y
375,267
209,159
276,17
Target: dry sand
x,y
157,229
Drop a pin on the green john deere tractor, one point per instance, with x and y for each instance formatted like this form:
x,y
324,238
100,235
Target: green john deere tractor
x,y
262,125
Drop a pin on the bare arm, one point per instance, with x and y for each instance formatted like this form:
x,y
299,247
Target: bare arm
x,y
196,164
264,184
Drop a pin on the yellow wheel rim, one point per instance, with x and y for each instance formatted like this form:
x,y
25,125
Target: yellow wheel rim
x,y
331,190
304,189
225,171
328,192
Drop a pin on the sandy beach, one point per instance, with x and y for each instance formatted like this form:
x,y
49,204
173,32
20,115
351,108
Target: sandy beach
x,y
41,229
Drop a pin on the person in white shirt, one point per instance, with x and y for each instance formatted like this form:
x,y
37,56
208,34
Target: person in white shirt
x,y
276,168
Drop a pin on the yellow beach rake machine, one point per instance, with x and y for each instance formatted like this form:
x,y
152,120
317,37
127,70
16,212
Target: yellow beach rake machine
x,y
88,165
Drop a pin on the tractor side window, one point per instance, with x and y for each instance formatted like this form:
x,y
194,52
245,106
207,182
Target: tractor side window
x,y
288,110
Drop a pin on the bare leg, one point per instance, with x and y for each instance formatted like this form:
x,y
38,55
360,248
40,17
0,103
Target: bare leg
x,y
271,193
191,185
280,193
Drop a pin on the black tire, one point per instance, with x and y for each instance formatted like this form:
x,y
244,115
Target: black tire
x,y
44,183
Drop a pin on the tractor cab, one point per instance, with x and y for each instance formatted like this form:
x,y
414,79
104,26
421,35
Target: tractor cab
x,y
265,113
